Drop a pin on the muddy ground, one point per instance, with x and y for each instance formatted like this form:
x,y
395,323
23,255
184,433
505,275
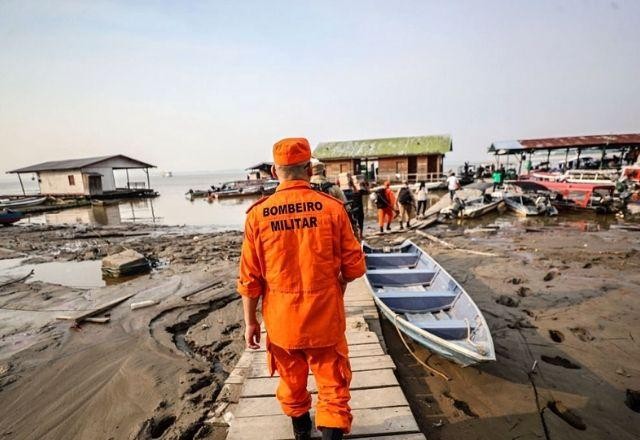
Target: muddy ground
x,y
148,373
560,295
563,297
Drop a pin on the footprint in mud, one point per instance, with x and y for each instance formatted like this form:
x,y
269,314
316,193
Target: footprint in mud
x,y
582,334
633,400
461,405
554,272
199,384
523,291
507,301
556,335
566,414
560,361
156,427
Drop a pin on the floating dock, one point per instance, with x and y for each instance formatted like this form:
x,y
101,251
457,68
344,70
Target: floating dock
x,y
380,410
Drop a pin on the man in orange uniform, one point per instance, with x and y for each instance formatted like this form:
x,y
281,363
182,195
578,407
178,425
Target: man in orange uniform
x,y
385,203
298,254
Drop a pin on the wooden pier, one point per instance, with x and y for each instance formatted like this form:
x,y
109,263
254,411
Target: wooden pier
x,y
247,402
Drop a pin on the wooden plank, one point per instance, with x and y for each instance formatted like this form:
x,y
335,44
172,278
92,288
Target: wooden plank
x,y
360,399
355,351
266,386
353,338
111,304
358,303
357,364
366,422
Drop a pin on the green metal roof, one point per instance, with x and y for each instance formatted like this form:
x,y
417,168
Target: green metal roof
x,y
402,146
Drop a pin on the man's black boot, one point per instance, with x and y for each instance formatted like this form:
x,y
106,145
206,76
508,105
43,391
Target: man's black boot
x,y
401,227
331,434
388,226
381,229
302,427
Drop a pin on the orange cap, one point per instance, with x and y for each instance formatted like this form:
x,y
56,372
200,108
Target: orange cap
x,y
291,151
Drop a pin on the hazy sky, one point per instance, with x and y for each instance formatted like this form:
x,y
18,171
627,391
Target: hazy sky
x,y
211,85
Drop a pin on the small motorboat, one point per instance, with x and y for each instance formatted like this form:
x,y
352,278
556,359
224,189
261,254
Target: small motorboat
x,y
473,207
269,187
9,217
237,189
425,303
198,193
22,203
524,204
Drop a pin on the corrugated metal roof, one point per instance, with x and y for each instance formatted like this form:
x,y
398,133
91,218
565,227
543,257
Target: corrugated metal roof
x,y
261,165
74,164
608,140
373,148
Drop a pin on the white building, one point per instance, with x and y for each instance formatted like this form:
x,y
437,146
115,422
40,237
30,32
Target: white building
x,y
85,177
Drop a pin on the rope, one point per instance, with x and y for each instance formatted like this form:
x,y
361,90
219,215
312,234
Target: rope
x,y
480,347
424,364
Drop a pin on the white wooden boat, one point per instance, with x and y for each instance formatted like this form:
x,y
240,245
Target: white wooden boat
x,y
418,296
524,204
471,208
22,203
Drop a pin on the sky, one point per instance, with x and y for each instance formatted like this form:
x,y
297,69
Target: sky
x,y
212,85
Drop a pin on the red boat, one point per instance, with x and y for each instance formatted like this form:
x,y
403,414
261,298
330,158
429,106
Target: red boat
x,y
576,196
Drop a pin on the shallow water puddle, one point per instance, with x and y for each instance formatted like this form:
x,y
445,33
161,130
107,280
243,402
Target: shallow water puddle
x,y
83,274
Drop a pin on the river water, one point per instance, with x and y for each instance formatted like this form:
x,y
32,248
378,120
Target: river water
x,y
170,208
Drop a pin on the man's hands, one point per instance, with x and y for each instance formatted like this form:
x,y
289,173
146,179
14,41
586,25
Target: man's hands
x,y
252,335
252,327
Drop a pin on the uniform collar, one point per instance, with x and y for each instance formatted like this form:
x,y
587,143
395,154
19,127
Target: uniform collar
x,y
287,184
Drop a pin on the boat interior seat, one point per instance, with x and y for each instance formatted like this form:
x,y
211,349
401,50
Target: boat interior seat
x,y
399,277
392,260
417,302
450,329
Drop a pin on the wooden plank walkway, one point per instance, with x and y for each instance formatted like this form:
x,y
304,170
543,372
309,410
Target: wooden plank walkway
x,y
248,405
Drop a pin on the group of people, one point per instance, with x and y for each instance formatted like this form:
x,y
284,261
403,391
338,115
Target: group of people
x,y
405,204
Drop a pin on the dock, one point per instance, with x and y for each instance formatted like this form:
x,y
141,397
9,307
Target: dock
x,y
247,402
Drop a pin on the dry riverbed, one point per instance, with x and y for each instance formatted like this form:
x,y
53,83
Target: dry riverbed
x,y
559,296
147,373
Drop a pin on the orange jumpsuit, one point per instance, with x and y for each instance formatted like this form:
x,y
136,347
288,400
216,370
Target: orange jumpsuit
x,y
296,243
385,215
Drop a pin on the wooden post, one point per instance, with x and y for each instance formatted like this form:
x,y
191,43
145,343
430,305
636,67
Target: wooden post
x,y
146,170
21,185
128,184
566,160
153,214
578,158
519,164
604,153
548,157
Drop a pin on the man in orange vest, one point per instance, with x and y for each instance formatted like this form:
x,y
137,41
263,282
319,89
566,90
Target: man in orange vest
x,y
299,253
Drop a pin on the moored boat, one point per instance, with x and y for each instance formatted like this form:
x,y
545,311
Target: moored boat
x,y
524,204
573,196
22,203
9,216
427,304
472,207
